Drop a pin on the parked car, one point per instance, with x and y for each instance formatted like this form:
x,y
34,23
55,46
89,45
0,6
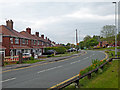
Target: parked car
x,y
26,54
72,49
49,52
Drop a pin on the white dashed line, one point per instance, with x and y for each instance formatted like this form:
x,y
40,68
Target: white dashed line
x,y
8,80
49,69
75,62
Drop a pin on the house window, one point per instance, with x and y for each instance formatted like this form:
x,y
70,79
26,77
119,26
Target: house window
x,y
23,41
38,42
42,43
27,41
16,40
34,42
11,40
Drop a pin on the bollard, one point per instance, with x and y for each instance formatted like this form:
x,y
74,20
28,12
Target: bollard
x,y
2,59
96,71
89,76
20,58
77,83
32,54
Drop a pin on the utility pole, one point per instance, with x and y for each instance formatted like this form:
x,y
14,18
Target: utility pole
x,y
79,40
115,28
76,40
76,37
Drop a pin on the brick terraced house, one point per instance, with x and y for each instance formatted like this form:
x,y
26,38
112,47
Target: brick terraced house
x,y
25,42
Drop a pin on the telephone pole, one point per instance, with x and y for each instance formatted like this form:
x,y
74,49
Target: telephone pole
x,y
76,37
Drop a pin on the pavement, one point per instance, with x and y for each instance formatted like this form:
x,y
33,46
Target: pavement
x,y
51,59
49,74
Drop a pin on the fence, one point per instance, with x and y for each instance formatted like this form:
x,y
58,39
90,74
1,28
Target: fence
x,y
77,77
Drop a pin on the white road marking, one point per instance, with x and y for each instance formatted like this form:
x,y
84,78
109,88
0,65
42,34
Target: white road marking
x,y
49,69
8,80
86,58
75,62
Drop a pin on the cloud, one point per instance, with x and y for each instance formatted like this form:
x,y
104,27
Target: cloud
x,y
58,20
85,14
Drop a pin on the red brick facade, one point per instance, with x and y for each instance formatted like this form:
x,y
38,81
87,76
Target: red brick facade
x,y
24,41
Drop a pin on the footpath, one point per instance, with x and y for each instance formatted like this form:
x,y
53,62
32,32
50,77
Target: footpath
x,y
47,60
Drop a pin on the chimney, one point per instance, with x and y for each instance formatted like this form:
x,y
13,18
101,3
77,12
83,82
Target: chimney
x,y
28,30
37,34
9,24
46,38
42,36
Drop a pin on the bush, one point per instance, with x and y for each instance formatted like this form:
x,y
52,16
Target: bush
x,y
49,55
31,58
59,50
106,51
95,63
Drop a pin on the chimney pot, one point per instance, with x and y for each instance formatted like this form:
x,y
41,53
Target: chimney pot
x,y
42,36
9,23
28,30
37,34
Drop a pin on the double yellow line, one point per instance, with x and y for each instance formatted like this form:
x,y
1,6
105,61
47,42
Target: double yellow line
x,y
73,76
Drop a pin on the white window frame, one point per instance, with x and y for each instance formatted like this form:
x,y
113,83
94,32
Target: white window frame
x,y
27,42
23,41
42,43
16,40
11,40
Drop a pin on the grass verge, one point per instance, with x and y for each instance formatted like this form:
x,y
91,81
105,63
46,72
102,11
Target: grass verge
x,y
31,61
106,78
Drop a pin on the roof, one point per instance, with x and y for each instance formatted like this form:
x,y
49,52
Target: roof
x,y
26,34
6,31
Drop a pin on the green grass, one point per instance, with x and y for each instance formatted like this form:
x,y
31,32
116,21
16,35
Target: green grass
x,y
23,62
108,78
111,48
31,61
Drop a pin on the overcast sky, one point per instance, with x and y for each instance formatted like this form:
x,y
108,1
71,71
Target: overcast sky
x,y
58,20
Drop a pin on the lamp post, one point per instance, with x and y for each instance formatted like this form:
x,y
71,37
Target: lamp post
x,y
115,28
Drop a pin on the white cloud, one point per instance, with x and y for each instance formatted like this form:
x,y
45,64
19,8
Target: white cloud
x,y
85,14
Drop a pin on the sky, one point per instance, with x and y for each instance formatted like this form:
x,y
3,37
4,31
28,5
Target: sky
x,y
59,20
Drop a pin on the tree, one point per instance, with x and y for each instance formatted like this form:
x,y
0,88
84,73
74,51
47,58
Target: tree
x,y
107,31
91,42
118,36
86,38
82,44
68,44
96,37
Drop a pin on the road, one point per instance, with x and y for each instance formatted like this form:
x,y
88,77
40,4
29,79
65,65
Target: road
x,y
47,75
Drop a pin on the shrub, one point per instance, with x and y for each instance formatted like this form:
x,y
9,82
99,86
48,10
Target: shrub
x,y
59,50
95,63
52,55
106,51
49,55
31,58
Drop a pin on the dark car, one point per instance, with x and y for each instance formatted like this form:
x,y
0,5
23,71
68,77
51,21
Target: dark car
x,y
71,50
49,52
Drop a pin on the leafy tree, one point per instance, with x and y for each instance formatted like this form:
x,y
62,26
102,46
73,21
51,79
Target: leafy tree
x,y
68,44
82,44
96,37
108,31
91,42
86,38
118,37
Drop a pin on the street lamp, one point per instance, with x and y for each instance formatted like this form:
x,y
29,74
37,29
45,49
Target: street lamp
x,y
115,28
